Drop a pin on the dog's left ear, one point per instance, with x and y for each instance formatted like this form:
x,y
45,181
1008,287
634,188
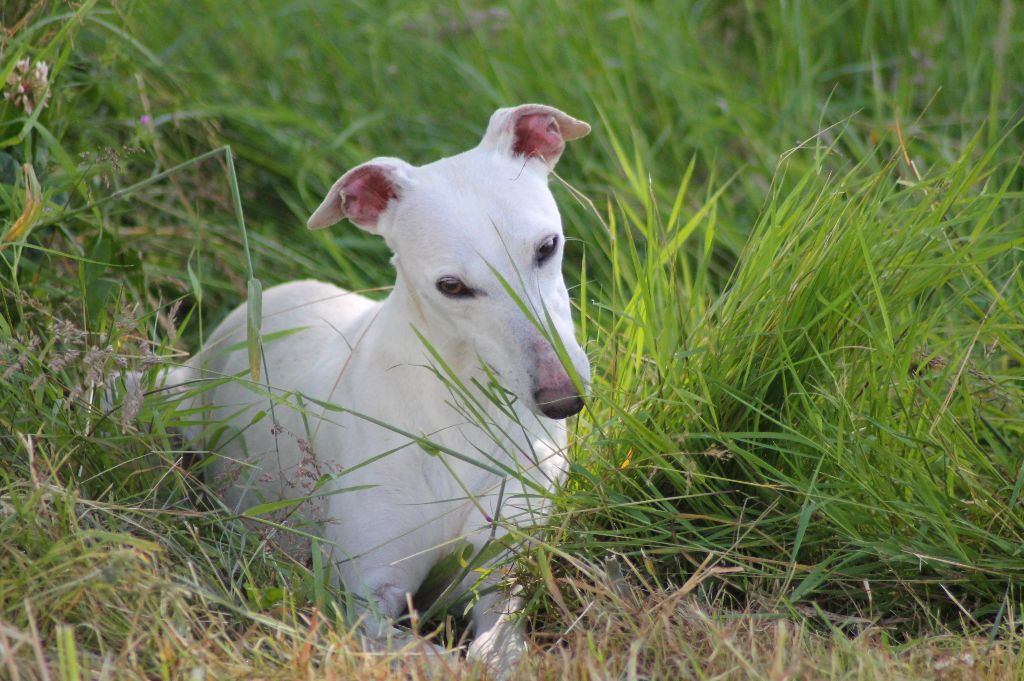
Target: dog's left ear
x,y
532,131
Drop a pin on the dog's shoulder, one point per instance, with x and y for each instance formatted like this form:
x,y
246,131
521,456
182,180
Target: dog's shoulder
x,y
308,307
304,292
311,302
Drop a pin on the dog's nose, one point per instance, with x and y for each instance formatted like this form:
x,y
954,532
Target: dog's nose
x,y
557,403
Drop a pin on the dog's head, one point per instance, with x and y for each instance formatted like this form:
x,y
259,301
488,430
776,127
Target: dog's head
x,y
478,247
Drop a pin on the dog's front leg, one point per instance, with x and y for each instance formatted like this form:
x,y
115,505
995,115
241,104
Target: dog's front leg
x,y
386,592
385,596
499,629
499,633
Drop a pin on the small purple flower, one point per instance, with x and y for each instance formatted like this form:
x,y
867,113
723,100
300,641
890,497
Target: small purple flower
x,y
146,119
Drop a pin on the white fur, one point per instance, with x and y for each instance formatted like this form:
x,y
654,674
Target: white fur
x,y
469,216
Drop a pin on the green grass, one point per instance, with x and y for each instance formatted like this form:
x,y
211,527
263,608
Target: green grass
x,y
799,275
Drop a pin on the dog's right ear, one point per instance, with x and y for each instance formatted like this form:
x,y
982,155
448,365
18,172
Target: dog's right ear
x,y
363,194
533,131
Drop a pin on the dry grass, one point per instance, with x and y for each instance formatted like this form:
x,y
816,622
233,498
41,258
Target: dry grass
x,y
666,635
102,604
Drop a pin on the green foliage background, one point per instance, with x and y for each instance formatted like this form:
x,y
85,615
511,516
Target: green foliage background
x,y
799,279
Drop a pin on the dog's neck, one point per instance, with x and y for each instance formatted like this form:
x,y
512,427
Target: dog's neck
x,y
394,332
405,360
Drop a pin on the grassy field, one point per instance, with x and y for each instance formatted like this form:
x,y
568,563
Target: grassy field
x,y
797,252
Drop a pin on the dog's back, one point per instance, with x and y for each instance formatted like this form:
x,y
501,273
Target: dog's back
x,y
257,461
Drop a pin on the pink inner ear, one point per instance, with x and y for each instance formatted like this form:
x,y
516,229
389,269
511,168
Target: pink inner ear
x,y
538,135
365,195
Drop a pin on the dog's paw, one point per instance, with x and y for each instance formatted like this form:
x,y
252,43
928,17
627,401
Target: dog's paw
x,y
500,648
394,640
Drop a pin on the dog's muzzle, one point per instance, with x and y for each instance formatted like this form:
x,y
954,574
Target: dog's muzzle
x,y
557,403
554,393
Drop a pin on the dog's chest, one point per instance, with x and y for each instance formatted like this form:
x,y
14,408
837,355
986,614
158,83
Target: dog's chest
x,y
496,477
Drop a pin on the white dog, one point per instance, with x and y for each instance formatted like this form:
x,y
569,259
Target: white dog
x,y
400,466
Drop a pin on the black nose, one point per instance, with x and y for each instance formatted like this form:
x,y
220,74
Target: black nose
x,y
555,404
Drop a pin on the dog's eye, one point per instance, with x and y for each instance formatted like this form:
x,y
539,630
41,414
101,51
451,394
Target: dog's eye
x,y
454,287
546,249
